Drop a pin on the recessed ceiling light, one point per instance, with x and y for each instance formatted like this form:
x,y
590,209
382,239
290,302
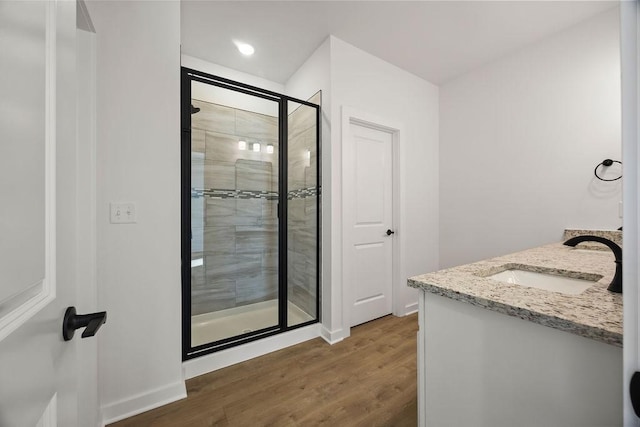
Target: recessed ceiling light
x,y
245,49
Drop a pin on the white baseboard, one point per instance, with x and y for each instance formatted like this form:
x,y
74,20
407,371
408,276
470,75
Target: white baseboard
x,y
222,359
331,337
410,308
142,402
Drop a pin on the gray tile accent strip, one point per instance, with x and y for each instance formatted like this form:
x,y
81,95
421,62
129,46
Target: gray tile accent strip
x,y
302,193
233,194
215,193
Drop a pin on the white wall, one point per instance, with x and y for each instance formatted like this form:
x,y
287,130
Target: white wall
x,y
368,84
228,73
519,139
138,160
312,76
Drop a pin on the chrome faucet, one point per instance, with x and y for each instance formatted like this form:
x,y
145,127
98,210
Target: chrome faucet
x,y
616,283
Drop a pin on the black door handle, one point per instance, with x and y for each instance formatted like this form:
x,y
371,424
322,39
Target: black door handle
x,y
91,323
634,392
389,232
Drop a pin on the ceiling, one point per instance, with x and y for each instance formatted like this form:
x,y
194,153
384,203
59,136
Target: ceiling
x,y
435,40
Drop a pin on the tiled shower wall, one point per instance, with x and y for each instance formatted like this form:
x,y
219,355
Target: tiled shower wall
x,y
234,209
237,207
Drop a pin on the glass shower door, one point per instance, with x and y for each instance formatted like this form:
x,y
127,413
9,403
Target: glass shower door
x,y
302,207
234,222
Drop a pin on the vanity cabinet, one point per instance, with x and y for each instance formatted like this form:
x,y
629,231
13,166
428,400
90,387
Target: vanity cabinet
x,y
477,367
498,354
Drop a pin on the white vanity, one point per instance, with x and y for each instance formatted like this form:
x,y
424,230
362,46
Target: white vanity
x,y
494,353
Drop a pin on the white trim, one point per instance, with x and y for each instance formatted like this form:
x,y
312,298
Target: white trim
x,y
352,115
629,55
143,402
86,223
331,337
26,304
422,379
222,359
86,172
410,308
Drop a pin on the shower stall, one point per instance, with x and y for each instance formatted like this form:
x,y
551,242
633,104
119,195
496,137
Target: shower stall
x,y
250,212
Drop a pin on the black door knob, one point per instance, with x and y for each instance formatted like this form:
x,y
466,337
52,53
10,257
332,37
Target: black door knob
x,y
389,232
91,323
634,392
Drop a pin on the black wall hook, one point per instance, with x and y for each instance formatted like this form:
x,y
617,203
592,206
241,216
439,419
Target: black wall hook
x,y
606,163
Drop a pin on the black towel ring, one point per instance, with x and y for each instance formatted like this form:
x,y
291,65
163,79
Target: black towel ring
x,y
606,163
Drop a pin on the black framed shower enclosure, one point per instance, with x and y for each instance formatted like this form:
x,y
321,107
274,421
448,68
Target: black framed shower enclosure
x,y
250,195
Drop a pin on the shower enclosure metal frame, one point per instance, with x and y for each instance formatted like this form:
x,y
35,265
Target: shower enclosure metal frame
x,y
187,76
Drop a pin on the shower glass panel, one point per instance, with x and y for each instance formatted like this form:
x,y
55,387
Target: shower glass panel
x,y
250,213
234,222
302,218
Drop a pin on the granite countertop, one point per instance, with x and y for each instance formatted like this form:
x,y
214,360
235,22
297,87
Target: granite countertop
x,y
596,313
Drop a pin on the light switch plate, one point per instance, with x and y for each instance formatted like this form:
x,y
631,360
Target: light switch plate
x,y
123,213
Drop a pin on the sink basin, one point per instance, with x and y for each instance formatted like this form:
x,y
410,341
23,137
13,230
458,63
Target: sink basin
x,y
549,282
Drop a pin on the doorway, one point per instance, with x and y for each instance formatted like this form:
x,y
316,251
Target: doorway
x,y
371,216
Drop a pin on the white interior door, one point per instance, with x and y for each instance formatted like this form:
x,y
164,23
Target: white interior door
x,y
369,197
86,292
630,57
37,212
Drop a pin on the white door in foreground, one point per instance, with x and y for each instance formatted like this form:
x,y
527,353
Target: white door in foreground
x,y
369,197
630,55
37,212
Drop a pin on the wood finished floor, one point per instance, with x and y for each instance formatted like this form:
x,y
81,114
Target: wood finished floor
x,y
368,379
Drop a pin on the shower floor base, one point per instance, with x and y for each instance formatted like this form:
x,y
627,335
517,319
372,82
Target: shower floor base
x,y
210,327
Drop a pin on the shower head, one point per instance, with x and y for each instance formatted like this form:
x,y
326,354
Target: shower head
x,y
194,109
